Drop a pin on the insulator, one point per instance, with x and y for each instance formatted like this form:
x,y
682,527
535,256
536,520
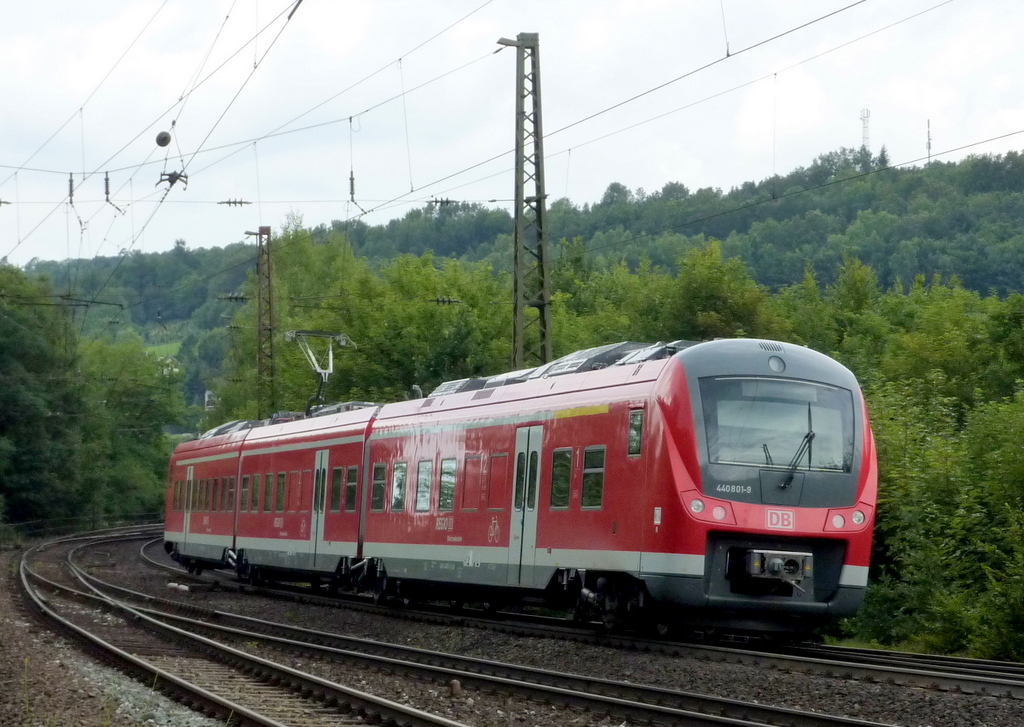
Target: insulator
x,y
352,185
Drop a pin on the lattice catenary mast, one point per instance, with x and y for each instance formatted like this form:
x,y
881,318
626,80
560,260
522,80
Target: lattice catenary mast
x,y
530,278
266,400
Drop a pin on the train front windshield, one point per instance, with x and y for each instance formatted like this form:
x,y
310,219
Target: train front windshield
x,y
771,422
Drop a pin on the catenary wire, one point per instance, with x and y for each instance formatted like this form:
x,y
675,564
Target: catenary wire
x,y
628,100
388,204
105,163
738,208
93,93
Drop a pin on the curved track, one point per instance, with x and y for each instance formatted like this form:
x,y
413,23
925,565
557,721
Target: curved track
x,y
220,680
238,634
969,676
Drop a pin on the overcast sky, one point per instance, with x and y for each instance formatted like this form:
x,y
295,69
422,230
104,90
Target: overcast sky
x,y
86,86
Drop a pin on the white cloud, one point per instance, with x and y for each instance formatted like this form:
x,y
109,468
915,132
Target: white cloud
x,y
954,65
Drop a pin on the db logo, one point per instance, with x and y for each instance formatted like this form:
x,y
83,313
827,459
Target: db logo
x,y
781,519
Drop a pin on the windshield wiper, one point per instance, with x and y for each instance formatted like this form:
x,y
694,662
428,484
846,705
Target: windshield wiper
x,y
805,447
767,455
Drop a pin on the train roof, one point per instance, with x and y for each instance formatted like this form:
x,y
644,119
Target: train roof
x,y
587,370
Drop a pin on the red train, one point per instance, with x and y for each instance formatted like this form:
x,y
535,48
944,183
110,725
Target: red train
x,y
729,483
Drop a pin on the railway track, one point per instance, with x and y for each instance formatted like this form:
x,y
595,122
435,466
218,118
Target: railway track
x,y
954,674
635,703
226,682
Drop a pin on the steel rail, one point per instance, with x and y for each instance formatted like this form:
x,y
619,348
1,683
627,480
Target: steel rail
x,y
934,674
982,667
366,706
605,696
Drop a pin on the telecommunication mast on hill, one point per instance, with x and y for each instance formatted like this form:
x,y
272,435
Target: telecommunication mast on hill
x,y
865,118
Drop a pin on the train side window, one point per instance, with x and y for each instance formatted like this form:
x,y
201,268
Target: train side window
x,y
231,494
471,482
204,496
282,489
520,480
636,432
174,496
398,478
257,484
350,488
215,495
446,498
380,480
498,484
561,478
424,483
531,491
593,477
243,506
336,483
268,492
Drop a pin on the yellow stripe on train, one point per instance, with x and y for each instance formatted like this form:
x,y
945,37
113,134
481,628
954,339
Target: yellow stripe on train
x,y
581,411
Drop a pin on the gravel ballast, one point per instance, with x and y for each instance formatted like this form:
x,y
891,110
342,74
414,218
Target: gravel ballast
x,y
884,703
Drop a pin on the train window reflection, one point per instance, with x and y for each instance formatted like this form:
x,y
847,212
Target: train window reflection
x,y
636,431
350,488
561,478
398,477
593,477
279,502
766,422
380,479
446,497
520,480
336,489
424,483
531,495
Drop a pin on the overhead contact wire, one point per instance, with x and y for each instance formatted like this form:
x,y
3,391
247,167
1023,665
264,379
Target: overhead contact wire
x,y
93,93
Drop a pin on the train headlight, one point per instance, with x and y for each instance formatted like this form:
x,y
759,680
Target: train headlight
x,y
858,517
697,506
838,521
719,513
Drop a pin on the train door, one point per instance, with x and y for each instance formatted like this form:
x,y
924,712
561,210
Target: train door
x,y
522,544
319,508
187,508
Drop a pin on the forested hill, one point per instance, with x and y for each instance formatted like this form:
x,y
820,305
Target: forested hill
x,y
83,400
962,219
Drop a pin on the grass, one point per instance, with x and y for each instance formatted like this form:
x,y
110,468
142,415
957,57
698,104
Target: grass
x,y
164,349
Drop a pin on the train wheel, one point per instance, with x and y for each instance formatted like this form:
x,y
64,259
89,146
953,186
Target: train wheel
x,y
255,578
244,571
380,592
611,621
